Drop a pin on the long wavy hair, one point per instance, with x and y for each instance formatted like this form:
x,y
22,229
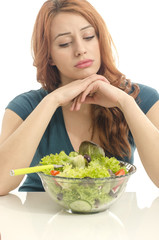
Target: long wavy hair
x,y
110,123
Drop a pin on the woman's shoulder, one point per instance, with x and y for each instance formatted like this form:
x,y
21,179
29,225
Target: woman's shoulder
x,y
32,95
147,97
24,103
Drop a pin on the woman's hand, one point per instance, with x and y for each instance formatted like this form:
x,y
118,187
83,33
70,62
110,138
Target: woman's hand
x,y
100,93
70,92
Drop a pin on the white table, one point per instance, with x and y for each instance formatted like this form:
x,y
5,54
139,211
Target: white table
x,y
33,216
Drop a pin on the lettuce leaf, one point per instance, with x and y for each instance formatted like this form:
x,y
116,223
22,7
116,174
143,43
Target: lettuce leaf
x,y
74,166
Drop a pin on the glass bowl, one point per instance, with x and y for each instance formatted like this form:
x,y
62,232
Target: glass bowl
x,y
86,195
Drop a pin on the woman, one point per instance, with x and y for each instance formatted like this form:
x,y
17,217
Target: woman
x,y
83,97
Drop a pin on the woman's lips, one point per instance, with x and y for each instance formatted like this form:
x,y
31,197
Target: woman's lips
x,y
84,63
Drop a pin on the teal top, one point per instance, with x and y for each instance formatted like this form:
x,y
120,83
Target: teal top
x,y
55,138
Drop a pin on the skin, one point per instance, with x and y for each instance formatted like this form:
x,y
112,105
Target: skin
x,y
73,40
80,88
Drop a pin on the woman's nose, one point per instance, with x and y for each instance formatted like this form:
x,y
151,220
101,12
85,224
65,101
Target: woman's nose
x,y
80,49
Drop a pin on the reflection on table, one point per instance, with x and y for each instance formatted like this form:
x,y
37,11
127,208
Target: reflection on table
x,y
35,216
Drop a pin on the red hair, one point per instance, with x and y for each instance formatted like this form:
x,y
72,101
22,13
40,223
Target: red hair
x,y
108,122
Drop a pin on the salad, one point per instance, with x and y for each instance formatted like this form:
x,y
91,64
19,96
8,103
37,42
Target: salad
x,y
84,181
90,161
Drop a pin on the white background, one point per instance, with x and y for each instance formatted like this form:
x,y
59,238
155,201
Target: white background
x,y
133,25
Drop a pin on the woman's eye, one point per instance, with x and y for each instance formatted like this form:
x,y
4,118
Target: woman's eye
x,y
64,45
89,38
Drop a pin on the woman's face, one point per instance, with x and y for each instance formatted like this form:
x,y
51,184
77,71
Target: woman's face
x,y
74,47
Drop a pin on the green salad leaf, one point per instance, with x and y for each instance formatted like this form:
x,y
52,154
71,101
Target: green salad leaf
x,y
90,148
74,165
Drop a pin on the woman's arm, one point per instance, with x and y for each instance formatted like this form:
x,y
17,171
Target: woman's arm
x,y
145,129
19,139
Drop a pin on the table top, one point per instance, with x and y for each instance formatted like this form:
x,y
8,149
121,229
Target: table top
x,y
35,216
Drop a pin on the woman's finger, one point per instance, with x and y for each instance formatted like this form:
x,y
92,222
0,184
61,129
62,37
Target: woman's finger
x,y
90,91
78,103
73,105
87,87
95,77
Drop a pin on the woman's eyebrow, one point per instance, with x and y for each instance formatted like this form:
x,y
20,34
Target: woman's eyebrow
x,y
62,34
86,27
68,33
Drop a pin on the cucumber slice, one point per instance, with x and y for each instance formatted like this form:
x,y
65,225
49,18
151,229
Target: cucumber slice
x,y
80,206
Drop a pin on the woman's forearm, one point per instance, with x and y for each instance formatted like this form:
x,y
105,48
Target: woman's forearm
x,y
18,149
146,137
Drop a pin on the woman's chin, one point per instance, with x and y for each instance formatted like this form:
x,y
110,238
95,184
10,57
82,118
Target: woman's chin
x,y
85,74
78,75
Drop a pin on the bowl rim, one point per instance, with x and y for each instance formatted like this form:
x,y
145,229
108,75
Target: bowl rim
x,y
95,179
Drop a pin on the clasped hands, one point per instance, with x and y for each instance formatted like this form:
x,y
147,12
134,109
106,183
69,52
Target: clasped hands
x,y
95,89
99,92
